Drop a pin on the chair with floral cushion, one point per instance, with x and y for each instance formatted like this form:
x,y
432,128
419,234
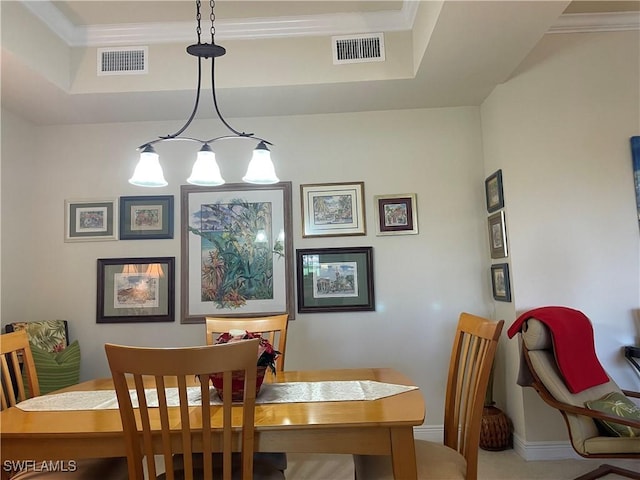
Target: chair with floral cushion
x,y
57,361
602,419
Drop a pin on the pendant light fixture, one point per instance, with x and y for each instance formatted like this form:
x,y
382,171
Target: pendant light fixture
x,y
148,172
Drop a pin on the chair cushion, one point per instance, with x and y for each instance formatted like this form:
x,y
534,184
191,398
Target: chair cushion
x,y
48,335
616,403
57,370
434,461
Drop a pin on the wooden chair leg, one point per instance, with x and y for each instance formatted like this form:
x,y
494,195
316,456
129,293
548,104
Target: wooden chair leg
x,y
606,469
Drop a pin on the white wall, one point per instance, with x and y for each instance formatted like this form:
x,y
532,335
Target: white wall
x,y
559,129
422,281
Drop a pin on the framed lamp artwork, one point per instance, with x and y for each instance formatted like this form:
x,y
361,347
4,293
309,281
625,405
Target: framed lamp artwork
x,y
146,217
396,214
333,209
136,290
90,220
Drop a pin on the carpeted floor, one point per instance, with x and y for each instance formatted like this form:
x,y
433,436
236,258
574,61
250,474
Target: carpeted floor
x,y
506,465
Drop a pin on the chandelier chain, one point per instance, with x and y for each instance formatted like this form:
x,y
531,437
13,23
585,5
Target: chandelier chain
x,y
212,16
198,18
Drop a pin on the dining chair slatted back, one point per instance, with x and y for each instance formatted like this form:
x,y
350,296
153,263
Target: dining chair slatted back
x,y
273,328
185,429
474,348
472,356
14,349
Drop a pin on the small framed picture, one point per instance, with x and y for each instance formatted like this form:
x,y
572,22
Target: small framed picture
x,y
497,235
136,290
396,214
493,191
333,209
335,279
500,282
90,220
148,217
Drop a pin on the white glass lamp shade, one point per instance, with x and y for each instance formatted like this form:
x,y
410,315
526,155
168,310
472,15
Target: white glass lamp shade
x,y
148,172
205,171
261,168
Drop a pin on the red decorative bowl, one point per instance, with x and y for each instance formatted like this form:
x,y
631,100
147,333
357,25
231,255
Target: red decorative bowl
x,y
237,383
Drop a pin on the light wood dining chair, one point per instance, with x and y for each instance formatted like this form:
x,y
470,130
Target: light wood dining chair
x,y
474,348
273,328
14,350
16,366
155,433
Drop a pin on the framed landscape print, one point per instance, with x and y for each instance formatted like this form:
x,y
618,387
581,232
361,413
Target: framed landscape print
x,y
493,191
335,279
136,290
500,282
497,235
237,251
147,217
333,209
396,214
90,220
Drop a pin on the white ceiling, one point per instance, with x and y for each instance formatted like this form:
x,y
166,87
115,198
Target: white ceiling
x,y
465,48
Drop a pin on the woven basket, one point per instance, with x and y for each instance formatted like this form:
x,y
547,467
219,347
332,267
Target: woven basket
x,y
237,383
495,430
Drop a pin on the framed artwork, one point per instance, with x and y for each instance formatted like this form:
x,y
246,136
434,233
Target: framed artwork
x,y
237,251
333,209
136,290
335,279
148,217
497,235
635,158
500,282
396,214
90,220
493,191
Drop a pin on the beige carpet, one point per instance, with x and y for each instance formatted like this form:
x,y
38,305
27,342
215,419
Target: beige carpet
x,y
506,465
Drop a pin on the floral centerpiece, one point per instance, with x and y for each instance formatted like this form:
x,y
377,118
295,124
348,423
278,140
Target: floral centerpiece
x,y
267,356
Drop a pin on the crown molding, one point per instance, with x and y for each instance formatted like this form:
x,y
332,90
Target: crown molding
x,y
280,27
596,22
234,29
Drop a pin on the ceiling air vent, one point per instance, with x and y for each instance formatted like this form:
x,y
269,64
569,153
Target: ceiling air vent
x,y
122,60
358,48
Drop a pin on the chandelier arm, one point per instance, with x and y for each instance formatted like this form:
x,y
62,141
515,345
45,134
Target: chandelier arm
x,y
172,138
249,136
215,102
195,107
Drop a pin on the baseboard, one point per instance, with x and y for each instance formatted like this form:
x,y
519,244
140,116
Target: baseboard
x,y
530,451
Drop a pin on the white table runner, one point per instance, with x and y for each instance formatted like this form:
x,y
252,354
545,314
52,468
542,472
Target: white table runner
x,y
291,392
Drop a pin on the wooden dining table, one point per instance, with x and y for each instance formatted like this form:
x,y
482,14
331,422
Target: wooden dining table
x,y
375,427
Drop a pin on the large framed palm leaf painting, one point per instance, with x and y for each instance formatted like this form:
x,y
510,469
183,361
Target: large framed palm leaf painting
x,y
237,251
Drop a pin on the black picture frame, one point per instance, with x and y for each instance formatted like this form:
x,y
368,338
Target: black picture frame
x,y
136,290
396,214
500,282
146,217
493,192
319,292
497,235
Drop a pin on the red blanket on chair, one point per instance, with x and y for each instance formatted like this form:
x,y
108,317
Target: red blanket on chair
x,y
572,336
